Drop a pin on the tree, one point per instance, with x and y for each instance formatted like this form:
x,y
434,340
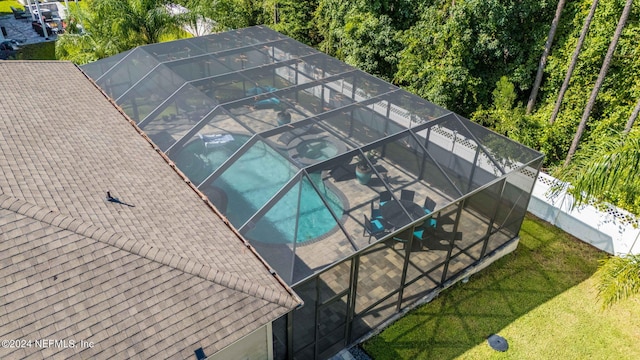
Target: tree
x,y
370,44
194,20
508,118
455,53
227,14
113,26
574,61
633,117
329,18
599,81
86,40
611,169
619,278
294,18
608,170
139,21
82,48
543,59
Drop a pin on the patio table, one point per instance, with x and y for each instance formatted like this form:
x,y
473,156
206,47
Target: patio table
x,y
395,217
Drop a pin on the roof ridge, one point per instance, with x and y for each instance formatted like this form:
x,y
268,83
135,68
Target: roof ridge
x,y
148,252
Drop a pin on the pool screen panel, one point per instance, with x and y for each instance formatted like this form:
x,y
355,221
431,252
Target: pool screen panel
x,y
148,93
185,108
126,73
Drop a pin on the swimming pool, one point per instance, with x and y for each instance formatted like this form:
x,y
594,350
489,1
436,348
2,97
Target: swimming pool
x,y
278,226
252,180
198,162
255,178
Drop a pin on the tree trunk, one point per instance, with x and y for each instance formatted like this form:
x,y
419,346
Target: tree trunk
x,y
601,76
574,61
632,118
543,59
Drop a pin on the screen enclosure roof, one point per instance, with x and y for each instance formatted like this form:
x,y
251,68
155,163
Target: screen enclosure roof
x,y
275,132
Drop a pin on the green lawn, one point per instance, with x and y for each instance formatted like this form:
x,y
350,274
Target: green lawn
x,y
38,51
541,298
5,6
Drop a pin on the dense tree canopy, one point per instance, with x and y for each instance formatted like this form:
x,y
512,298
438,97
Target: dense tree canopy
x,y
294,18
455,54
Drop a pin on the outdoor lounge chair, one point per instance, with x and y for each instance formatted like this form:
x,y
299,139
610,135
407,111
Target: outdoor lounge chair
x,y
260,90
270,103
211,141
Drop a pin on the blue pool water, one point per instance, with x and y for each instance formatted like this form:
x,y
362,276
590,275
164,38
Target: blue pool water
x,y
254,179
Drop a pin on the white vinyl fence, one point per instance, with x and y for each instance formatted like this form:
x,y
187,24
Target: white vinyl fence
x,y
609,228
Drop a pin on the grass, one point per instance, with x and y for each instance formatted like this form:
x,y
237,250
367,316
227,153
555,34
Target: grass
x,y
541,298
38,51
5,6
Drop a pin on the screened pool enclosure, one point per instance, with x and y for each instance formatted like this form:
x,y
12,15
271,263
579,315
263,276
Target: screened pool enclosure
x,y
363,197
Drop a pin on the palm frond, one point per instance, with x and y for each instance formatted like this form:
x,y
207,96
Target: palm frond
x,y
619,278
613,165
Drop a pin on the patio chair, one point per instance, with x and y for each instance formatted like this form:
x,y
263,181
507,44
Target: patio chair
x,y
384,197
433,239
422,234
407,195
373,228
401,241
376,213
429,205
419,233
19,13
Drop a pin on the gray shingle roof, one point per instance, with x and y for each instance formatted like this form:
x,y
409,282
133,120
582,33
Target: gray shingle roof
x,y
166,276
